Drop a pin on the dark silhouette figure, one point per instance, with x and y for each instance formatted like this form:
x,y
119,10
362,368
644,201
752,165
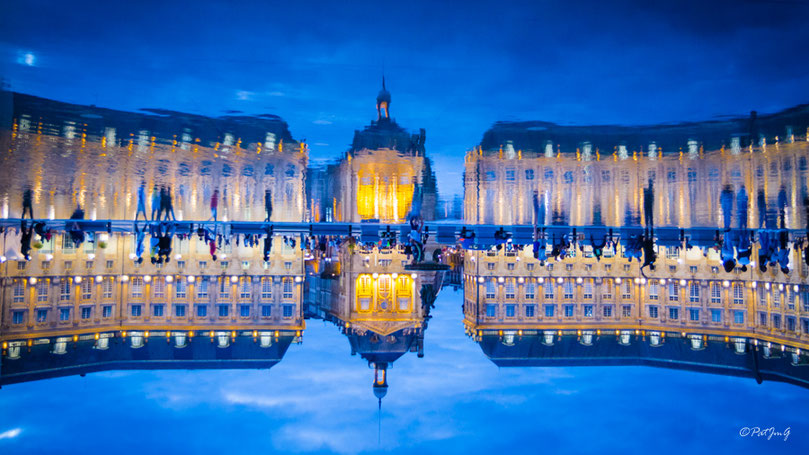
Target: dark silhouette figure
x,y
268,204
27,203
649,205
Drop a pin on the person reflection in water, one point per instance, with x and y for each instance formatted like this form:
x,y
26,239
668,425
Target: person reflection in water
x,y
214,204
27,203
25,242
268,204
648,205
76,231
168,205
155,203
142,202
726,201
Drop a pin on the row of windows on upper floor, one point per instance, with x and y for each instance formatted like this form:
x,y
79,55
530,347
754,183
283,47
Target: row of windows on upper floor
x,y
181,265
86,288
531,265
653,312
693,175
627,288
157,310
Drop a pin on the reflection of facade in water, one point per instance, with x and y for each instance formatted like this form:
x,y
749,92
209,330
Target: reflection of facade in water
x,y
71,154
98,307
525,314
382,308
585,184
379,177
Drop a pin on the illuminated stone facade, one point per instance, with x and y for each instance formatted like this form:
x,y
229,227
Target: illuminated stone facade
x,y
687,293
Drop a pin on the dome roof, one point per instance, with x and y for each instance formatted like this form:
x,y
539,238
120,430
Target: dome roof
x,y
384,94
380,391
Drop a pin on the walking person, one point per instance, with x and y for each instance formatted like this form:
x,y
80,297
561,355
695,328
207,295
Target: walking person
x,y
168,205
155,204
268,204
742,200
27,203
726,201
142,202
648,205
214,204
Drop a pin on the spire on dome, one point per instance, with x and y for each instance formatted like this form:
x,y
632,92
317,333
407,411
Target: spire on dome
x,y
383,102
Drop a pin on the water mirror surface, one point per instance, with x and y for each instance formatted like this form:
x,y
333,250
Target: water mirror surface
x,y
200,276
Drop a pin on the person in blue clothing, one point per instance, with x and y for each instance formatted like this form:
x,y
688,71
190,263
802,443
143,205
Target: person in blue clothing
x,y
782,255
155,203
782,206
142,202
742,200
726,201
744,248
140,236
728,256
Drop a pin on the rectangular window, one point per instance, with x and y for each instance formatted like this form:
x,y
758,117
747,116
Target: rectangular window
x,y
627,290
653,312
776,321
607,290
490,310
674,313
716,315
510,311
266,311
568,311
529,174
224,288
716,292
42,315
568,289
106,288
17,317
179,311
530,290
626,311
738,293
19,291
223,310
607,311
137,287
202,289
287,290
266,288
244,289
135,311
511,291
588,290
693,292
64,314
738,317
159,288
674,291
106,311
588,311
42,291
490,265
202,311
180,287
653,293
86,312
693,314
490,289
529,311
64,289
87,289
549,311
548,290
157,311
287,310
790,323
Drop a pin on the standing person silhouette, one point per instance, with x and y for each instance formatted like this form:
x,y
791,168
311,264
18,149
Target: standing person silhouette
x,y
169,205
726,201
268,204
649,205
155,203
27,203
142,202
214,204
742,200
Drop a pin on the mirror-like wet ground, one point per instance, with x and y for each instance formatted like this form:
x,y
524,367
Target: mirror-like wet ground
x,y
198,276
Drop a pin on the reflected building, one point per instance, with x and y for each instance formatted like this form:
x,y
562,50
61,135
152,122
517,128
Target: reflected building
x,y
380,178
73,155
596,175
587,312
380,306
75,310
